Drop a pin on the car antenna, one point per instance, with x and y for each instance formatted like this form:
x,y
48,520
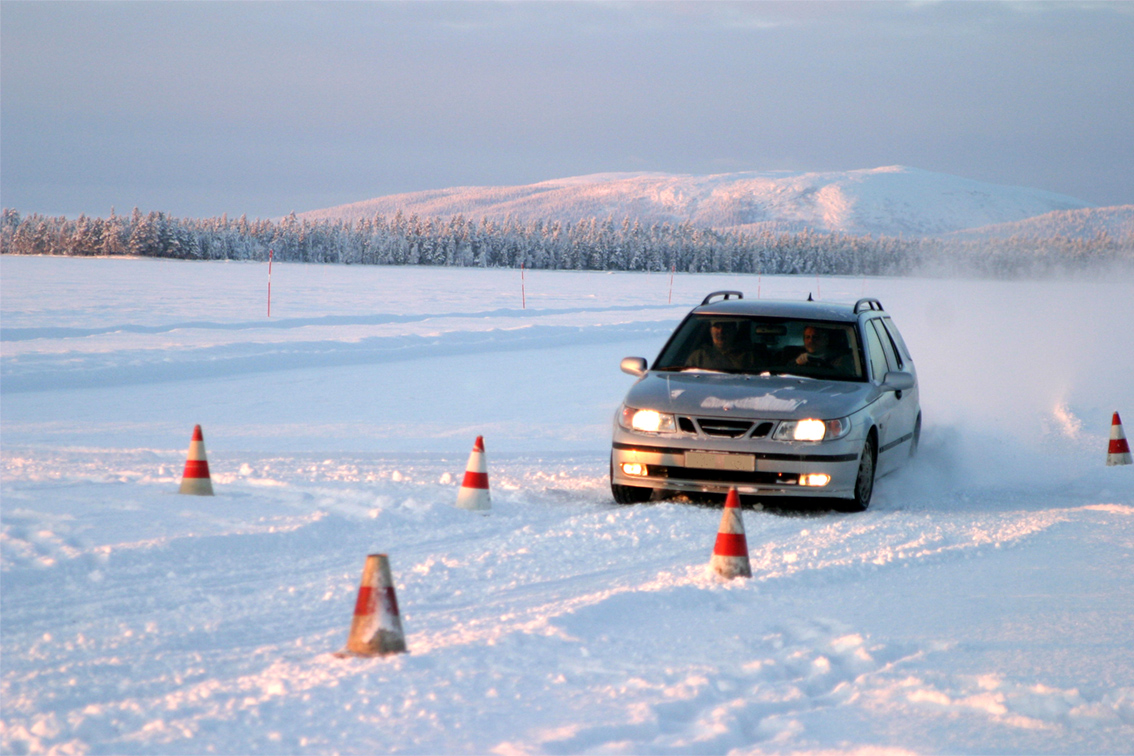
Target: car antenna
x,y
809,299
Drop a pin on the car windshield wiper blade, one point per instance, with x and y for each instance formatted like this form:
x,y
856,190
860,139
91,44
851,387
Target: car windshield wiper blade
x,y
693,369
785,374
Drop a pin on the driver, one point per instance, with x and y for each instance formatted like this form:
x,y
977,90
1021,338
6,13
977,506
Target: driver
x,y
817,350
724,352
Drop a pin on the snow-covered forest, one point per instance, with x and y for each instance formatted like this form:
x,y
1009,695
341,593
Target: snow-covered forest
x,y
591,244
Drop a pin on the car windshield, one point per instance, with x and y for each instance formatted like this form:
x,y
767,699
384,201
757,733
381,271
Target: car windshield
x,y
732,344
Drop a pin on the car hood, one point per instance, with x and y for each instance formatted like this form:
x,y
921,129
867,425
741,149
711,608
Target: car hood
x,y
775,397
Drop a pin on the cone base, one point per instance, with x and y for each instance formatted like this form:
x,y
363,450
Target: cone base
x,y
474,499
731,567
384,643
196,487
348,654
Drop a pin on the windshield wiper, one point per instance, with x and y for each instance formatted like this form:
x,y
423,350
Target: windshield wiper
x,y
785,374
693,369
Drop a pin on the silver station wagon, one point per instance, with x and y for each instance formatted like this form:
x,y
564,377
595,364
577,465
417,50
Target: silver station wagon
x,y
774,398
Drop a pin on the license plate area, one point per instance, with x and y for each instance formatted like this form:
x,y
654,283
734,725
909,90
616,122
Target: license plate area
x,y
720,461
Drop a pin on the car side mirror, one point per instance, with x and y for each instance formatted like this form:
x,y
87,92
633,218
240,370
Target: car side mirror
x,y
898,380
635,366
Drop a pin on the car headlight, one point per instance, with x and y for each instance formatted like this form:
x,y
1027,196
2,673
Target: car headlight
x,y
647,421
812,430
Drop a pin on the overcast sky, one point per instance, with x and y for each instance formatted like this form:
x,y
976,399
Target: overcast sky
x,y
263,108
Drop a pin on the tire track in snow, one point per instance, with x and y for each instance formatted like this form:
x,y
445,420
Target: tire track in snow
x,y
770,696
127,367
62,332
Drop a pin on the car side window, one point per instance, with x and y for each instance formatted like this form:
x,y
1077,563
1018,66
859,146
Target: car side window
x,y
878,366
899,344
893,361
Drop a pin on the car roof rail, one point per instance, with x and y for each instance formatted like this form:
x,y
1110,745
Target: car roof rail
x,y
725,295
867,303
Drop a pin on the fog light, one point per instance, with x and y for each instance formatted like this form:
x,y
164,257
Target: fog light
x,y
634,468
814,479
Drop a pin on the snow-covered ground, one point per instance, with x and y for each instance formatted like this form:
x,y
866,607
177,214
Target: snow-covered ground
x,y
984,604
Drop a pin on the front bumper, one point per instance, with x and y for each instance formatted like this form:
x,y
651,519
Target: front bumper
x,y
765,468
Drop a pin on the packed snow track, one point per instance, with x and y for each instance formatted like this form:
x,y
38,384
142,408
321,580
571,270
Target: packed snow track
x,y
984,603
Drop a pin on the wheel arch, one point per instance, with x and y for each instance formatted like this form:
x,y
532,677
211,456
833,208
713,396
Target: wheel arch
x,y
872,437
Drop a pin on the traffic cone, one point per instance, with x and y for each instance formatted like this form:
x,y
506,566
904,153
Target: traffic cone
x,y
1119,451
377,627
195,480
474,488
730,553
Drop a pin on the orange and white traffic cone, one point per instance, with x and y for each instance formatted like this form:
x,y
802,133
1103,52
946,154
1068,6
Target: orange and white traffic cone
x,y
377,627
1119,451
195,480
730,553
474,488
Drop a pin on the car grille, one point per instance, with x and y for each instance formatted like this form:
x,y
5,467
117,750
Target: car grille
x,y
725,427
762,430
715,426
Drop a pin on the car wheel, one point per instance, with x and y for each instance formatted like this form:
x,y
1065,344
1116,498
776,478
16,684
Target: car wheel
x,y
916,436
864,483
628,494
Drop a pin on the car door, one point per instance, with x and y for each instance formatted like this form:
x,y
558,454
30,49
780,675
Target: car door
x,y
894,346
886,410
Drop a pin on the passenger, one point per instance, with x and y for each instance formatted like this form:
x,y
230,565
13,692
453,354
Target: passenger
x,y
724,352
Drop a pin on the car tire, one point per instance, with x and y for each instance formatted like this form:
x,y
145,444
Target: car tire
x,y
864,482
627,494
630,494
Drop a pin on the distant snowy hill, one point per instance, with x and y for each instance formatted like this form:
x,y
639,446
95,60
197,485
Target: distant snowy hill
x,y
1116,222
888,201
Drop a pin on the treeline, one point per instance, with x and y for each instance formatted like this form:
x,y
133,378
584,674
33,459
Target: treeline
x,y
587,245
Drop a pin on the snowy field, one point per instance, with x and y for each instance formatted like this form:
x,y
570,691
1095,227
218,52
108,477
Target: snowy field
x,y
984,604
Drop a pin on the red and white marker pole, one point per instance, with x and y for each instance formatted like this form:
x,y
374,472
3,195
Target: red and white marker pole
x,y
269,283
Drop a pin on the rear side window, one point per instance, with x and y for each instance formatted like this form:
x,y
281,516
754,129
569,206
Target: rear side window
x,y
899,342
893,361
875,352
